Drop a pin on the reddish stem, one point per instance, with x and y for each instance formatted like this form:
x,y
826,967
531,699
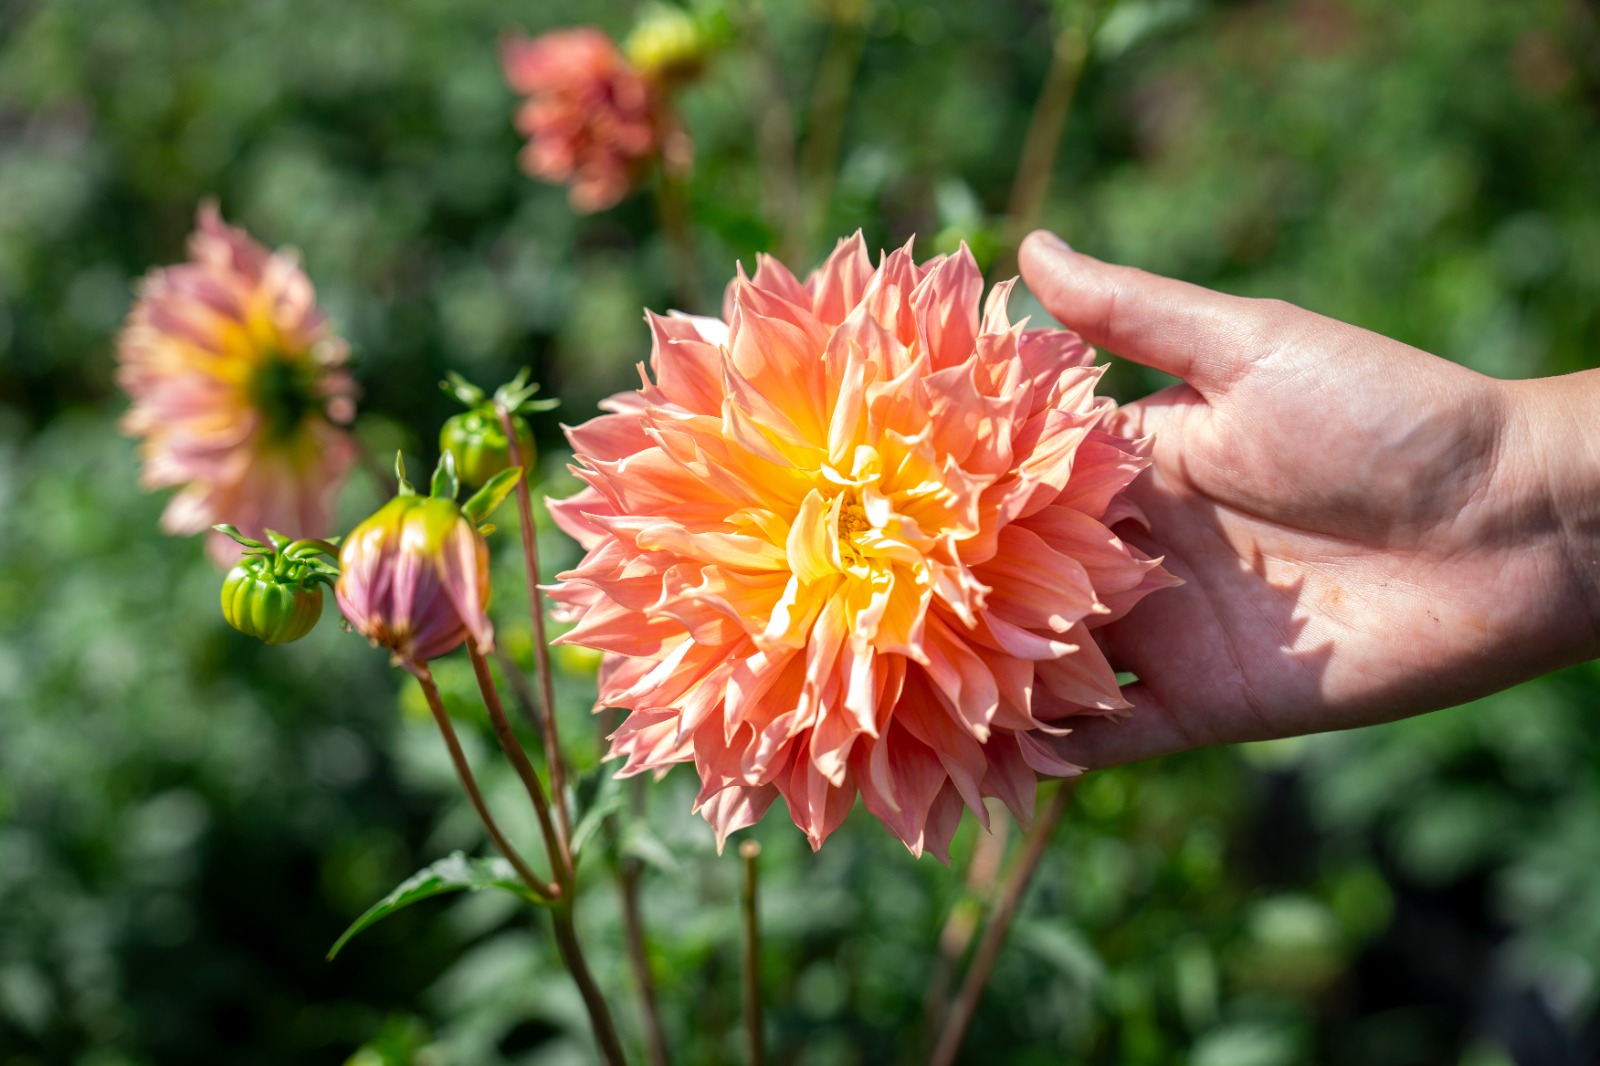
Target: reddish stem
x,y
536,884
547,691
994,935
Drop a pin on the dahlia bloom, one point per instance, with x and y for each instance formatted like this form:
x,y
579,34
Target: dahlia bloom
x,y
854,538
414,578
237,383
592,120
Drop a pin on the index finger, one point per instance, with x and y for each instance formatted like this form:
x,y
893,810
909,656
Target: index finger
x,y
1206,338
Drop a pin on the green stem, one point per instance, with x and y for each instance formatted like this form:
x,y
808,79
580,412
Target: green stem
x,y
754,1039
773,117
1068,56
830,99
605,1031
672,205
629,870
994,935
536,884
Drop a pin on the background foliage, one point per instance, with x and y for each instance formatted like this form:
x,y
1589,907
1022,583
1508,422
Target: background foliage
x,y
188,819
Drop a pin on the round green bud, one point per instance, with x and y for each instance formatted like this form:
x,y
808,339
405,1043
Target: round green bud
x,y
667,45
478,442
258,602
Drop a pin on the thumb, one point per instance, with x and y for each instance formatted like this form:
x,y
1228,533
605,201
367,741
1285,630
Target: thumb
x,y
1204,337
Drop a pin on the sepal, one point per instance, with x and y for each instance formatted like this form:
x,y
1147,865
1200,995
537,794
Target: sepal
x,y
446,485
492,495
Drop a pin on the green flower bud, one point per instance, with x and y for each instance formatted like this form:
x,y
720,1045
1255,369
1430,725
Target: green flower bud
x,y
263,605
667,45
275,592
478,442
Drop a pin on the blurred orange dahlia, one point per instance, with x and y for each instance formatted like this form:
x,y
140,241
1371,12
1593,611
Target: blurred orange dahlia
x,y
593,121
237,383
854,538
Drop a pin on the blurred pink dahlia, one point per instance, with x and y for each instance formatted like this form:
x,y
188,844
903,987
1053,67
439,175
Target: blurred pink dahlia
x,y
592,120
237,383
854,538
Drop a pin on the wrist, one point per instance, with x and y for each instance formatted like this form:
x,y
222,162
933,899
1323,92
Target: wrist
x,y
1552,447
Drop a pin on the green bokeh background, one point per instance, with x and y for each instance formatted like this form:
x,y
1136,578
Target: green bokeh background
x,y
188,819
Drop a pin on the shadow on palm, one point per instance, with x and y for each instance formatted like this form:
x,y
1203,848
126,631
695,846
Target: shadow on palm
x,y
1217,657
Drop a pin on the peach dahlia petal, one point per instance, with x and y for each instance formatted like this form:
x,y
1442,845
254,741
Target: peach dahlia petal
x,y
854,538
237,384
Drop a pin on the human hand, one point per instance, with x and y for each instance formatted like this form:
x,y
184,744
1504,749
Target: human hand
x,y
1366,531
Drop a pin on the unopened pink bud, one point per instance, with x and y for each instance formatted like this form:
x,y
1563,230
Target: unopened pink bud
x,y
414,578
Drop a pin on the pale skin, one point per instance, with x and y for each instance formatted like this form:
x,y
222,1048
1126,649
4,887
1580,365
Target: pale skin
x,y
1365,531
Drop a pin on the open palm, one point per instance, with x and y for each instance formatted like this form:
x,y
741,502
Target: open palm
x,y
1362,527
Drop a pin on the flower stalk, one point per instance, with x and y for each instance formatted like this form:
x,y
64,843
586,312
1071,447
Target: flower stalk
x,y
605,1030
565,888
547,691
749,910
672,207
1069,55
629,871
983,868
773,118
959,1018
560,857
536,884
830,100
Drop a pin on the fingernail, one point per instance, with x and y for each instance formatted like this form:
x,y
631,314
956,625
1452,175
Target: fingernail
x,y
1049,241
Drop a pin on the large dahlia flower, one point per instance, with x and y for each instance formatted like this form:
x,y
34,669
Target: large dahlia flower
x,y
855,538
593,121
237,383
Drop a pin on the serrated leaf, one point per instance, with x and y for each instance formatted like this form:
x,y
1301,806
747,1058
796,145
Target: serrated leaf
x,y
492,495
456,872
597,795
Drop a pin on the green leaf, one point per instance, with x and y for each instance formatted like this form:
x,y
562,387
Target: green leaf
x,y
455,872
492,495
597,795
